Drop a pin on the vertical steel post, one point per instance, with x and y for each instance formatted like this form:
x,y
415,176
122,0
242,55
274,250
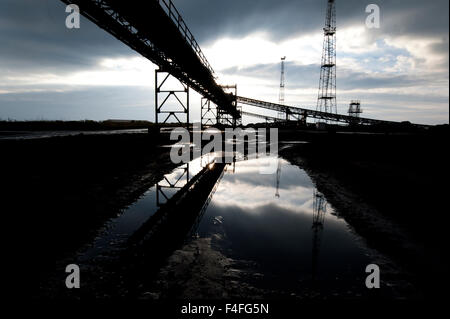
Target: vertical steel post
x,y
281,115
161,107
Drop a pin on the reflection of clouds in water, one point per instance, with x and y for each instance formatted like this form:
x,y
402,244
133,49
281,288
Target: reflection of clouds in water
x,y
249,189
296,187
243,195
272,214
291,176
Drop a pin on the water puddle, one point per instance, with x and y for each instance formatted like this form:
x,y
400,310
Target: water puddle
x,y
276,228
288,233
113,236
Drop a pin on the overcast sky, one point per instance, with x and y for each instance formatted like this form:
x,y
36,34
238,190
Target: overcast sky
x,y
399,71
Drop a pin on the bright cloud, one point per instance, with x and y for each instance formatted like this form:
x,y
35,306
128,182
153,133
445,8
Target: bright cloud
x,y
400,72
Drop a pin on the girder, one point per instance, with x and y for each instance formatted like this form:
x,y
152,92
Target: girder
x,y
264,117
156,30
314,114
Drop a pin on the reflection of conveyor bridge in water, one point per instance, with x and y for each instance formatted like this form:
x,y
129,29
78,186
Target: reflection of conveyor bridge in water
x,y
166,230
171,185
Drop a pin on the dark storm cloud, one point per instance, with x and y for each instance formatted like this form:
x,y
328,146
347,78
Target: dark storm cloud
x,y
34,40
209,19
33,36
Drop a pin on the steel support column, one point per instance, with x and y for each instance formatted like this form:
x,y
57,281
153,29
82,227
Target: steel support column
x,y
225,118
163,111
209,113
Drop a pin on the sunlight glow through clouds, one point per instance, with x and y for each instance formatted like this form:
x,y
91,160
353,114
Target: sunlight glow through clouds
x,y
256,48
236,60
420,49
248,51
133,71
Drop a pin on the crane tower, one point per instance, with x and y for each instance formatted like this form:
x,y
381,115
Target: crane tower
x,y
326,101
281,115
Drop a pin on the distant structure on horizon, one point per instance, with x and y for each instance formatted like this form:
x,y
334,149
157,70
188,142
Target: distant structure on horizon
x,y
326,101
281,115
355,108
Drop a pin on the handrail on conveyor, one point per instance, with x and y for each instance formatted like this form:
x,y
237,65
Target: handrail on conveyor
x,y
176,17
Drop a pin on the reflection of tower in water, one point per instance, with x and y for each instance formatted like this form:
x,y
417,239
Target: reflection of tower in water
x,y
319,210
277,192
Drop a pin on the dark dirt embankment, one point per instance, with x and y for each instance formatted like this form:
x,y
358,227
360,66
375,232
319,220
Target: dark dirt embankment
x,y
86,125
61,190
388,188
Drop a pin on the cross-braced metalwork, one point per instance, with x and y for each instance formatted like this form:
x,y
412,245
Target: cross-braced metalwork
x,y
156,30
225,118
277,192
326,101
171,184
282,115
209,113
162,107
323,116
355,108
268,118
319,210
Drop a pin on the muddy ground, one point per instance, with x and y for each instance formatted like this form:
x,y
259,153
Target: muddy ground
x,y
60,191
388,188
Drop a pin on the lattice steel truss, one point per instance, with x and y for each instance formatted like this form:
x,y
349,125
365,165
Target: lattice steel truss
x,y
209,115
167,185
264,117
156,30
162,96
282,115
326,101
319,210
303,113
225,118
355,108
